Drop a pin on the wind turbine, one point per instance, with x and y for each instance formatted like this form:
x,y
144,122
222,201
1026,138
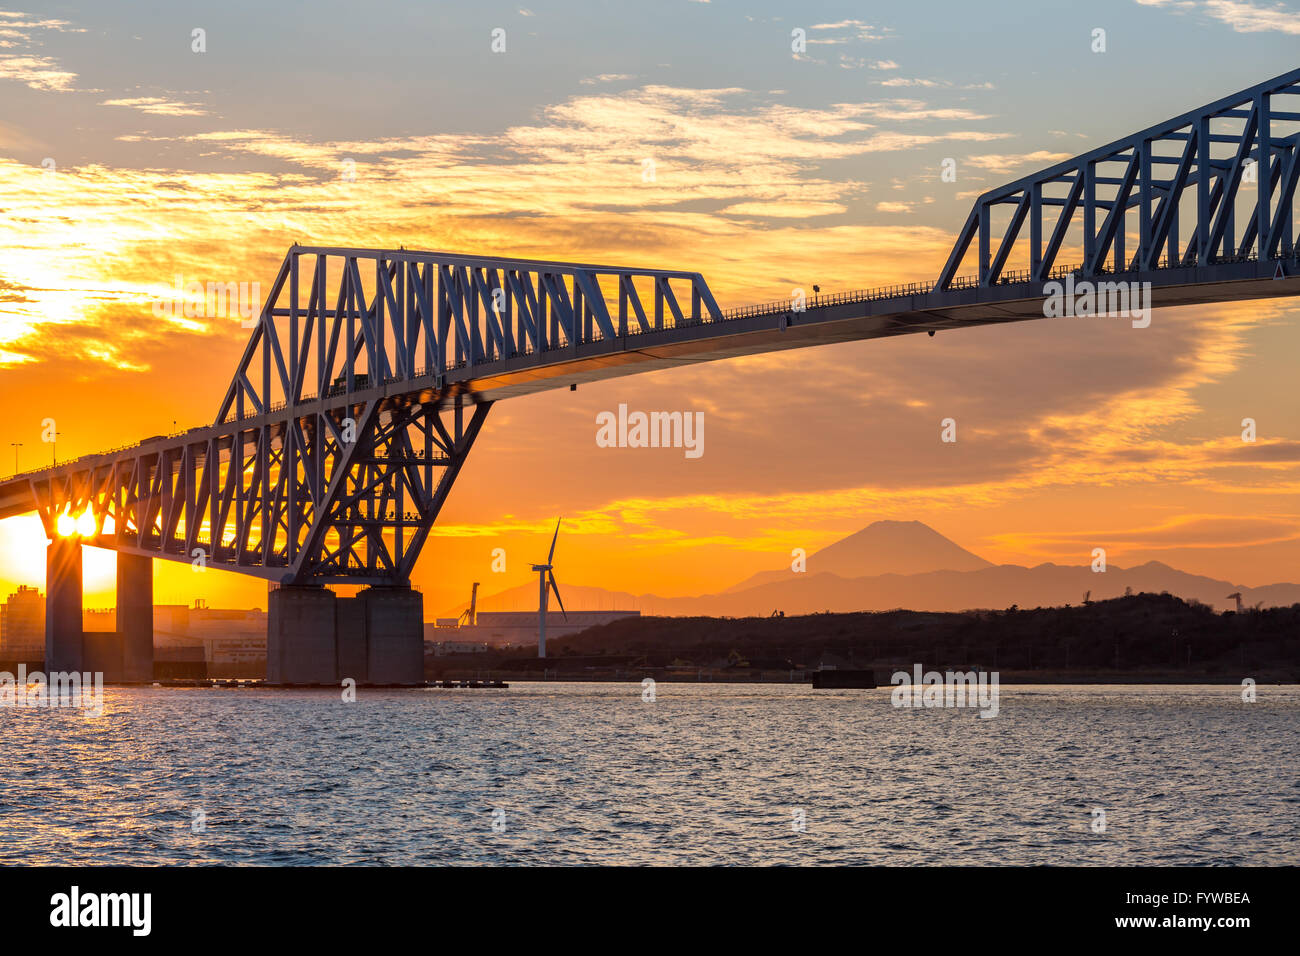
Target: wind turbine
x,y
546,583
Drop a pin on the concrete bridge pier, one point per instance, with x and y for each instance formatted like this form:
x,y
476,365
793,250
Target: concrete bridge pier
x,y
394,619
135,617
315,637
300,638
63,637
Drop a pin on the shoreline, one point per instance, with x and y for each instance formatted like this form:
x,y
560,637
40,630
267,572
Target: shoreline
x,y
1005,678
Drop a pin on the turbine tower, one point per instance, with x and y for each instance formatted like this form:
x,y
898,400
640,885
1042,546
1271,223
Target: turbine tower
x,y
545,584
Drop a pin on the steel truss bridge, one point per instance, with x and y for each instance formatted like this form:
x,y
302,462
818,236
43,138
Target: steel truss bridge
x,y
370,372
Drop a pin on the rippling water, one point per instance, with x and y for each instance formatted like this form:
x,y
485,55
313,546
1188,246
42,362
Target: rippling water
x,y
589,773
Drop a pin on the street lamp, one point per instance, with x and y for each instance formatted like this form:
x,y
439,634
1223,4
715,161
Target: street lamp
x,y
15,445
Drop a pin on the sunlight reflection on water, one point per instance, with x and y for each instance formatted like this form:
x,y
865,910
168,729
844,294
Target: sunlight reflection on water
x,y
588,773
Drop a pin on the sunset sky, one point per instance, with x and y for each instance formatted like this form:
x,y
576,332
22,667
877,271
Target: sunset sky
x,y
128,160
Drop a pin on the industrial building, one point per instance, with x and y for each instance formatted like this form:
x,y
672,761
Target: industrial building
x,y
516,628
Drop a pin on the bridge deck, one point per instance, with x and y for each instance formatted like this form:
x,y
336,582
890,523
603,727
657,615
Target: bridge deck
x,y
844,321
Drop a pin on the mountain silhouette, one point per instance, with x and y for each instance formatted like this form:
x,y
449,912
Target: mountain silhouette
x,y
906,564
1047,585
882,547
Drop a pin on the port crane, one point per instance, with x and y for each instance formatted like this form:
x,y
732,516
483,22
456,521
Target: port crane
x,y
468,616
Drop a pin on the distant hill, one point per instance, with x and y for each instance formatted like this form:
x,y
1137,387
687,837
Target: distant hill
x,y
1136,633
906,564
1143,638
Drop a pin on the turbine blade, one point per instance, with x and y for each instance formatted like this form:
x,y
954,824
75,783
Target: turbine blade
x,y
559,599
550,557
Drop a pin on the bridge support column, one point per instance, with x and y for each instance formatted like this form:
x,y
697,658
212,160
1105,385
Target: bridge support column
x,y
394,620
350,640
135,616
63,637
376,637
300,639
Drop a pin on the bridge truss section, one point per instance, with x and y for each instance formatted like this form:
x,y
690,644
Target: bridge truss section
x,y
1215,185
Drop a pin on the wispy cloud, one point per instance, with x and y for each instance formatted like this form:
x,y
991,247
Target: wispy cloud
x,y
847,31
1245,17
21,31
38,72
158,106
899,82
1242,15
1006,162
1182,531
607,78
720,158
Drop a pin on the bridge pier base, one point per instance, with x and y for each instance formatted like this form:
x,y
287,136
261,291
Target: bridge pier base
x,y
135,617
300,636
394,620
351,646
63,636
314,637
